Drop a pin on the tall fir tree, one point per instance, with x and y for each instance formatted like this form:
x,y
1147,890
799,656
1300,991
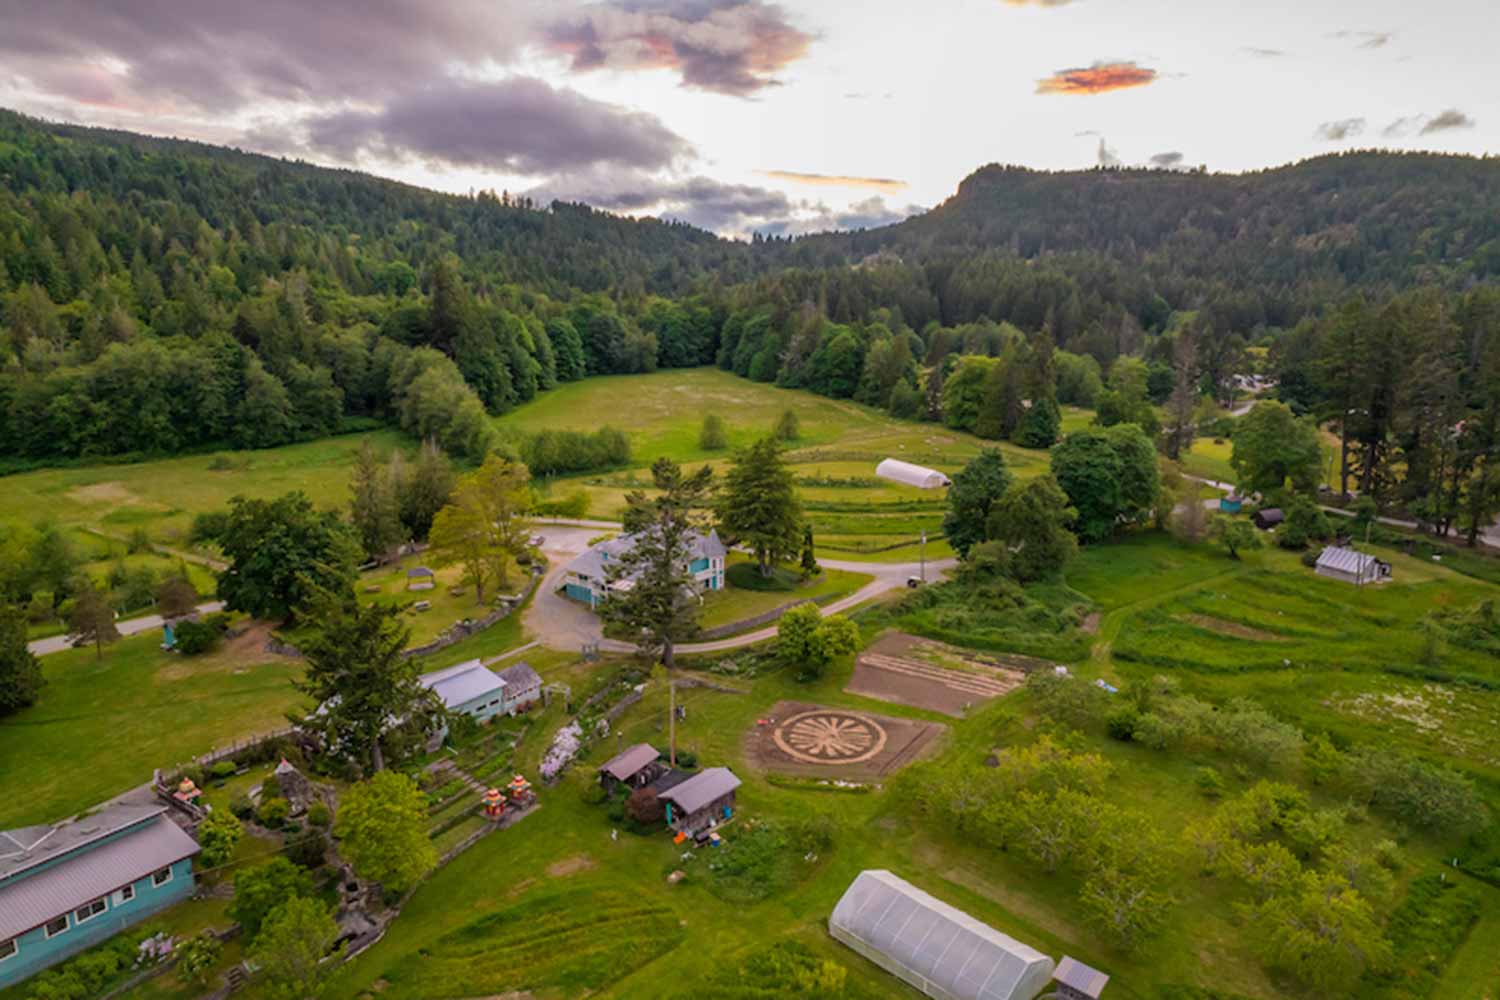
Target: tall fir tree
x,y
758,505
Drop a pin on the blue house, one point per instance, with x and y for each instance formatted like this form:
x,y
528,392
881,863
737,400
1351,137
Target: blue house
x,y
470,688
67,887
588,576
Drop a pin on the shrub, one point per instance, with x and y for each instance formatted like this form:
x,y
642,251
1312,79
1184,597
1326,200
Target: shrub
x,y
196,958
242,807
307,849
196,638
1310,559
1122,722
687,759
317,815
788,427
713,436
218,834
1209,782
273,813
223,769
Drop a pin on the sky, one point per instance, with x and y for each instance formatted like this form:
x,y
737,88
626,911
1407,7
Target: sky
x,y
751,116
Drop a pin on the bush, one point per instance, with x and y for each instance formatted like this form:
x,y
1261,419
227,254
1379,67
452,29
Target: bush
x,y
196,958
559,452
218,834
1209,782
307,849
318,815
90,974
712,436
196,638
242,807
1122,722
223,769
1310,559
687,759
273,813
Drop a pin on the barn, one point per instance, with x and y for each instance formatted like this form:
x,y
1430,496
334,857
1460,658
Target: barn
x,y
1340,563
907,474
937,948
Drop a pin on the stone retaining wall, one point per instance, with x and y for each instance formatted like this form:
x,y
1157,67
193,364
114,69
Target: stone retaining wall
x,y
765,618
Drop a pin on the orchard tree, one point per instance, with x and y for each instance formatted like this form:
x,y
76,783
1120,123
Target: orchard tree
x,y
91,619
1032,520
282,554
372,504
360,680
1273,448
1321,932
759,506
1235,535
660,609
289,952
975,491
484,526
382,829
807,639
20,670
259,890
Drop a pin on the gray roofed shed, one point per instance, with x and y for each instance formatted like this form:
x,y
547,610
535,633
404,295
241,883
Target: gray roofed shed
x,y
622,766
1076,980
31,901
521,675
461,684
937,948
1351,566
702,789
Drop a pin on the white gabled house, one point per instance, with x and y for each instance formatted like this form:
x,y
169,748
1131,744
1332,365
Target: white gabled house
x,y
587,577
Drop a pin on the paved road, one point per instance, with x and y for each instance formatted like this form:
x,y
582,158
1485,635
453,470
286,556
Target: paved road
x,y
564,624
132,626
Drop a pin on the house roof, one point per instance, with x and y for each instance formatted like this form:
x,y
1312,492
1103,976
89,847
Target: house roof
x,y
1346,560
463,683
1273,515
521,675
595,561
31,901
669,779
623,765
702,788
419,571
925,941
1083,978
911,475
29,846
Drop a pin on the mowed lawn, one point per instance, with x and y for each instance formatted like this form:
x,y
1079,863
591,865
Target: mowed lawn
x,y
101,726
735,603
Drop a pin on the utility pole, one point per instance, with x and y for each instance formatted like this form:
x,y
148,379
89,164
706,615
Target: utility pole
x,y
923,555
671,719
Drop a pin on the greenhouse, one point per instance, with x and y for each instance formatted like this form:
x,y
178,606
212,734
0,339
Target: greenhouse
x,y
940,950
911,475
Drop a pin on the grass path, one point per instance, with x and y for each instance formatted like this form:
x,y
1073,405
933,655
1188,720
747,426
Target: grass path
x,y
1111,623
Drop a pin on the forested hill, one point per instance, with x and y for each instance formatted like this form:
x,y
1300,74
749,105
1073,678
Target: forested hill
x,y
1270,246
175,183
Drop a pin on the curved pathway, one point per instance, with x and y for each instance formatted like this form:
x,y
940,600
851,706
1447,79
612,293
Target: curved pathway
x,y
132,626
565,624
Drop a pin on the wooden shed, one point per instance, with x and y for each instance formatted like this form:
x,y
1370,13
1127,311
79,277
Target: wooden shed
x,y
702,802
635,767
1268,517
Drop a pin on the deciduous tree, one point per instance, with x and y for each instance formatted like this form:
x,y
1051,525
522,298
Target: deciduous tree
x,y
975,491
1274,448
282,553
290,949
381,827
259,890
484,527
91,619
1032,520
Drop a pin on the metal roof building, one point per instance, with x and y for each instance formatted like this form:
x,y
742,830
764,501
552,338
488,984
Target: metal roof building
x,y
937,948
459,687
1339,563
629,763
1076,981
701,789
911,475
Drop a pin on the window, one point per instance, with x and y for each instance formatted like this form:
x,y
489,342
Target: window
x,y
7,949
56,927
89,911
125,894
161,877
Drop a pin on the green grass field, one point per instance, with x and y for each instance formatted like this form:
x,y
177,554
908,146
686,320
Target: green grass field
x,y
735,603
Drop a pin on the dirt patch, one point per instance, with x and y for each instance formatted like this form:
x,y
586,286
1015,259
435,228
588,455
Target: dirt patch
x,y
570,866
817,741
909,670
114,493
245,650
1090,624
1233,629
520,887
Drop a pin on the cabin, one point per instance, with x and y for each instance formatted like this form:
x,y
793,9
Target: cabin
x,y
1338,562
420,578
69,886
936,948
523,688
470,688
633,768
1268,518
588,578
908,474
1076,981
701,802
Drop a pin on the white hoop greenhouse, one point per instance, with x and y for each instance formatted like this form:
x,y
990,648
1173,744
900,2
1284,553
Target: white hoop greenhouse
x,y
910,475
940,950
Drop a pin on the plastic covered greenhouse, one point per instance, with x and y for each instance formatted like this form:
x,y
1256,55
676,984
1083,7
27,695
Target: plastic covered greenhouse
x,y
907,474
940,950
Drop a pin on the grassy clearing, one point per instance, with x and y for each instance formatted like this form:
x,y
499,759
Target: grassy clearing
x,y
736,603
447,607
101,726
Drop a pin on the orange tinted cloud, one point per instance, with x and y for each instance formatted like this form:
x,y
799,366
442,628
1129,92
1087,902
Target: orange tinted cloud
x,y
1096,79
887,184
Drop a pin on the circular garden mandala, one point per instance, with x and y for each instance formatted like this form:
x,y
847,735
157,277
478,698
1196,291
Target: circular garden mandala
x,y
830,736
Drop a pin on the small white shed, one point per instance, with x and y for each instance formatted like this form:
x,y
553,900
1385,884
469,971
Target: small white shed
x,y
911,475
1340,563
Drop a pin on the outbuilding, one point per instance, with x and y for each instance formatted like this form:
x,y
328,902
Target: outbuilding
x,y
420,578
523,687
1268,517
935,947
908,474
635,767
69,886
1076,981
1339,562
701,802
469,688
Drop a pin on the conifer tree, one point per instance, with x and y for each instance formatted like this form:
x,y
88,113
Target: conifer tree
x,y
372,504
759,505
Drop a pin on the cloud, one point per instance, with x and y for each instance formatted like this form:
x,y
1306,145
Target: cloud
x,y
1099,78
1344,128
887,184
1167,161
1264,53
731,47
520,125
1366,39
1450,119
156,56
1402,126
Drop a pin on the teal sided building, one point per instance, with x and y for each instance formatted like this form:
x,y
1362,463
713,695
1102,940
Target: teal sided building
x,y
67,887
